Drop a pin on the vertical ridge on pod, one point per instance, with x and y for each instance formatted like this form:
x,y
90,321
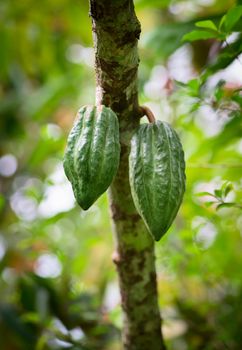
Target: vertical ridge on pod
x,y
157,175
94,135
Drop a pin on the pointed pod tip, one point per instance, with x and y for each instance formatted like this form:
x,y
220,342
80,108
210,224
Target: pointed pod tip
x,y
84,206
157,235
84,202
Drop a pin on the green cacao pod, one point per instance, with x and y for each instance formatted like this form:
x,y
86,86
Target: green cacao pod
x,y
157,175
92,154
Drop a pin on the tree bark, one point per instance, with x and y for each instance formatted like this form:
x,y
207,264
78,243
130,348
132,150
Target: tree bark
x,y
116,32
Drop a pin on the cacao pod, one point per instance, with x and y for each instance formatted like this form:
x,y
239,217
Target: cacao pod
x,y
157,175
92,154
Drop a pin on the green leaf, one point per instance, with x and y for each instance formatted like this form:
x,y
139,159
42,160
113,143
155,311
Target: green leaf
x,y
201,194
225,205
237,98
229,20
31,317
194,86
224,185
218,94
195,106
219,91
207,24
199,35
227,55
209,204
218,193
180,83
228,189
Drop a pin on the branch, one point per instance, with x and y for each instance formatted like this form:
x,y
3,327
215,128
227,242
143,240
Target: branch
x,y
116,32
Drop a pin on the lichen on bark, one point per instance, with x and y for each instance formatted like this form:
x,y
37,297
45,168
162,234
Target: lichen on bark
x,y
116,31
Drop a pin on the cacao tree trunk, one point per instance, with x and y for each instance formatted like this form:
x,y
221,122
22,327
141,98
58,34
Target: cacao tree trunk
x,y
116,32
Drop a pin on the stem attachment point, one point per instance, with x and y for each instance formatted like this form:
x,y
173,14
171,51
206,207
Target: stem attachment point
x,y
148,113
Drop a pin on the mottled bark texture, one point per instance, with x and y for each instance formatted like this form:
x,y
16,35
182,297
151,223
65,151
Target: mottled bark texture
x,y
116,32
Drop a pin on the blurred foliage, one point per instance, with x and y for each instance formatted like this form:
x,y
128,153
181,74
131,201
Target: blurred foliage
x,y
58,285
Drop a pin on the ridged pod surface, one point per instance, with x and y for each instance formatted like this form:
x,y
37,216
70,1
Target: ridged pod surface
x,y
91,158
157,175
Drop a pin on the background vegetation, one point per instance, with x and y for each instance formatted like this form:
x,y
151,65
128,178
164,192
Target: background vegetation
x,y
58,286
